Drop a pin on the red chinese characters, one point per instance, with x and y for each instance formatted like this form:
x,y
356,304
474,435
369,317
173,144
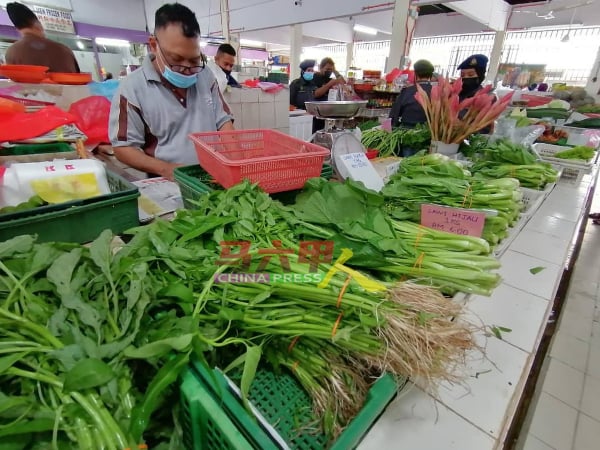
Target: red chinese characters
x,y
236,253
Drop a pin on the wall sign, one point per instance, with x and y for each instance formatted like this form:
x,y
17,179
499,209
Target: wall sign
x,y
56,20
464,222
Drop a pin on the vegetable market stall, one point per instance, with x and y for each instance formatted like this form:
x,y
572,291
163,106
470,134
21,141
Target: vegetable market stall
x,y
478,413
478,410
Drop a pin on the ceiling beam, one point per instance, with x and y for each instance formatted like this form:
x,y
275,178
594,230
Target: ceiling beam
x,y
492,13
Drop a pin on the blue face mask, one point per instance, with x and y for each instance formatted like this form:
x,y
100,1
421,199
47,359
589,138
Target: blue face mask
x,y
308,76
178,79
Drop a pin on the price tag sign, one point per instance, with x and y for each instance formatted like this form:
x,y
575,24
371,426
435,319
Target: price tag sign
x,y
357,167
464,222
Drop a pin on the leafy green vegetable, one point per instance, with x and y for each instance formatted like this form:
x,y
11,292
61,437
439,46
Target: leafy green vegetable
x,y
93,339
434,178
389,143
503,159
580,152
86,374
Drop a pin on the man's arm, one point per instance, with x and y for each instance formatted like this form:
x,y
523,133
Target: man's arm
x,y
227,126
323,90
137,159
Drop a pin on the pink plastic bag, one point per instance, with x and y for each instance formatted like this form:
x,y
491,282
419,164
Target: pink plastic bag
x,y
271,88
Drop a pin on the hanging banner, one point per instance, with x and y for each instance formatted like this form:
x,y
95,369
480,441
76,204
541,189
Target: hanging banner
x,y
56,20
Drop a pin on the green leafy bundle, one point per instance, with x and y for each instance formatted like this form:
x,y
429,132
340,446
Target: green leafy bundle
x,y
354,217
93,338
68,318
580,152
437,179
389,143
503,159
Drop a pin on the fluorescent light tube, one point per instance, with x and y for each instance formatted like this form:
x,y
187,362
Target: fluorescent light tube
x,y
251,43
112,42
365,30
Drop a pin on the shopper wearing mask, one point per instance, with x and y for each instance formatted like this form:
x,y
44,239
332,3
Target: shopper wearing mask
x,y
223,65
169,97
324,80
303,88
472,73
34,48
406,111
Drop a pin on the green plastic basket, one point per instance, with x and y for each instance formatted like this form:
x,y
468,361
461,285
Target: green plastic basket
x,y
194,182
214,418
80,220
38,152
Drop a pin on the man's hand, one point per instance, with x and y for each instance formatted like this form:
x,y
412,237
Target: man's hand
x,y
167,169
137,159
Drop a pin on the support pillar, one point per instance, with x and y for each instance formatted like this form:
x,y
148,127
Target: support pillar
x,y
98,62
402,25
295,50
496,57
349,56
225,20
593,87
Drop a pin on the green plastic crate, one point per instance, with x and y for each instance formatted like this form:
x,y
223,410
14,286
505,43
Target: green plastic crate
x,y
80,220
38,152
194,182
213,417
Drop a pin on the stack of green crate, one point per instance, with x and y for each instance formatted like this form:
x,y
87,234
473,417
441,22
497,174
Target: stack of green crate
x,y
37,152
278,77
79,220
194,182
214,418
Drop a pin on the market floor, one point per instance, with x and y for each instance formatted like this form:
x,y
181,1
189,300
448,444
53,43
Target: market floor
x,y
565,409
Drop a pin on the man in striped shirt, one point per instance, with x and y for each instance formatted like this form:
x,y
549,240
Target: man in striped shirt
x,y
169,97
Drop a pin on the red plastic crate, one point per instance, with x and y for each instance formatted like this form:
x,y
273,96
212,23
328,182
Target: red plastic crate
x,y
274,160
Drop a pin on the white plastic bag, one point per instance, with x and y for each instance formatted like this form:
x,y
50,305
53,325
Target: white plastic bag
x,y
506,128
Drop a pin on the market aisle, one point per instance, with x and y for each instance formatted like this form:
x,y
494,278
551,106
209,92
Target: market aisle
x,y
565,410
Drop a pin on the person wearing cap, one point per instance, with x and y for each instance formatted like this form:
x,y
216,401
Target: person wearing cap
x,y
303,88
406,111
472,73
34,48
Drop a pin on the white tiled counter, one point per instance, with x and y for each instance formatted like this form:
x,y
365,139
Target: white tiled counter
x,y
301,126
477,414
253,109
